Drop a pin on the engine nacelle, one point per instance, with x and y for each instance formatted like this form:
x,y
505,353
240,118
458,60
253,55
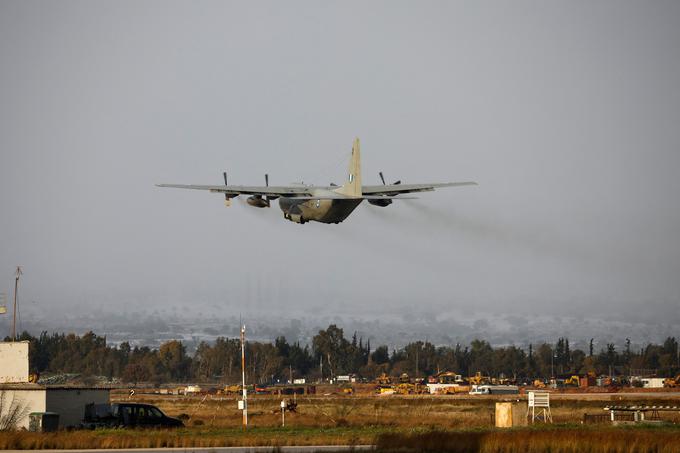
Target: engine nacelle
x,y
258,202
381,203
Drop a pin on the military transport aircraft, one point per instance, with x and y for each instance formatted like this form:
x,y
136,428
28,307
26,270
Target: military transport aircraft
x,y
331,204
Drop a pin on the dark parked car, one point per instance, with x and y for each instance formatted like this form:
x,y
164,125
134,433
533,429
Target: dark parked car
x,y
133,415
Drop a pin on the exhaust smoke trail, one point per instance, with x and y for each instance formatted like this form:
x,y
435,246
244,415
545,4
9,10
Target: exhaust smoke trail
x,y
535,240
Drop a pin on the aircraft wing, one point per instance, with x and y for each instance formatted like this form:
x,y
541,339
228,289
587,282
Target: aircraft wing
x,y
274,191
395,189
301,192
345,197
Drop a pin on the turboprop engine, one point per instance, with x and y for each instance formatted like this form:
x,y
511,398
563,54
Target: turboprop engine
x,y
386,201
382,203
258,202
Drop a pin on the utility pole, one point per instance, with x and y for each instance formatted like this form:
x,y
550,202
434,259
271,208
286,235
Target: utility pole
x,y
552,366
243,377
16,289
417,349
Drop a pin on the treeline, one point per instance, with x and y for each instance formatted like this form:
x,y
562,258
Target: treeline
x,y
330,355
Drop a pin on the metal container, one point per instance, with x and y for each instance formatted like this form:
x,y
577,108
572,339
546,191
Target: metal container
x,y
43,422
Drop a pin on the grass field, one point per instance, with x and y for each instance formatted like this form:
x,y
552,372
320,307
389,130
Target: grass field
x,y
443,412
561,439
537,440
393,423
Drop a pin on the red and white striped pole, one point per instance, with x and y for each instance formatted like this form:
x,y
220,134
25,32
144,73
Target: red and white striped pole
x,y
243,377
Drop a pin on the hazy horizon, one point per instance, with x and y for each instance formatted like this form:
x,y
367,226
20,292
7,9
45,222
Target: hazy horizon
x,y
565,114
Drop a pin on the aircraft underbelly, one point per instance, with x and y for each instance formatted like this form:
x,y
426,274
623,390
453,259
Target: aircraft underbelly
x,y
324,211
339,210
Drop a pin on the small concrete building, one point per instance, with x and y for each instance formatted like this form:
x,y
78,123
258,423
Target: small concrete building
x,y
16,393
68,402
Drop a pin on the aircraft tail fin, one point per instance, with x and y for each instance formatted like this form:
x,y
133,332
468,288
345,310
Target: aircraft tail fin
x,y
352,187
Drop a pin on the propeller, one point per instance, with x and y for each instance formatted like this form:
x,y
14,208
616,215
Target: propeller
x,y
395,183
387,200
266,183
227,199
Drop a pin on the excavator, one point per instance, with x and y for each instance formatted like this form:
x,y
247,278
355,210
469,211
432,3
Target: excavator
x,y
573,381
672,382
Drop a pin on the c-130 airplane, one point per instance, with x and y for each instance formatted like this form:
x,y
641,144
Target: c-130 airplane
x,y
330,204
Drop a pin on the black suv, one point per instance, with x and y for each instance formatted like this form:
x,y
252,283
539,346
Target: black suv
x,y
133,415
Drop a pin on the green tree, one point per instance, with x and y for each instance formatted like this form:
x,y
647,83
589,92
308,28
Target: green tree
x,y
174,360
380,355
330,346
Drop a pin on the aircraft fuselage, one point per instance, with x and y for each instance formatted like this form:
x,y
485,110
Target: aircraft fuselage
x,y
324,211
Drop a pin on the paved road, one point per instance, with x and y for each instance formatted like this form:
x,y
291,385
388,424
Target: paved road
x,y
305,449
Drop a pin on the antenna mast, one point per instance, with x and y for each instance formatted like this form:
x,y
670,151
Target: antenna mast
x,y
16,288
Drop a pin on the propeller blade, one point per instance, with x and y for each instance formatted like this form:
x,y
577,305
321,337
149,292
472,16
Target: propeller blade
x,y
266,179
396,183
382,178
227,200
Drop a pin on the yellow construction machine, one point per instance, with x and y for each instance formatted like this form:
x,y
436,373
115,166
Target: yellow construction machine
x,y
404,389
347,389
539,384
449,377
672,382
383,379
478,379
574,381
232,389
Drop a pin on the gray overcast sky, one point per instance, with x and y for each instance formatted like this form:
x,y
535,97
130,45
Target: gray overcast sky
x,y
566,113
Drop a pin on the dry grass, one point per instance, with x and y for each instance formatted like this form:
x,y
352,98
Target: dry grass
x,y
332,411
184,438
542,440
574,440
444,412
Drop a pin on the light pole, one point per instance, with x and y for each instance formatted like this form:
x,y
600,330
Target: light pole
x,y
243,377
552,363
16,289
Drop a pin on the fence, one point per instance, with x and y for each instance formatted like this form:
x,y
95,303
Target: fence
x,y
589,419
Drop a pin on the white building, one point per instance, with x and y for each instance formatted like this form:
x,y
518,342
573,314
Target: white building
x,y
17,392
14,362
652,383
68,402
